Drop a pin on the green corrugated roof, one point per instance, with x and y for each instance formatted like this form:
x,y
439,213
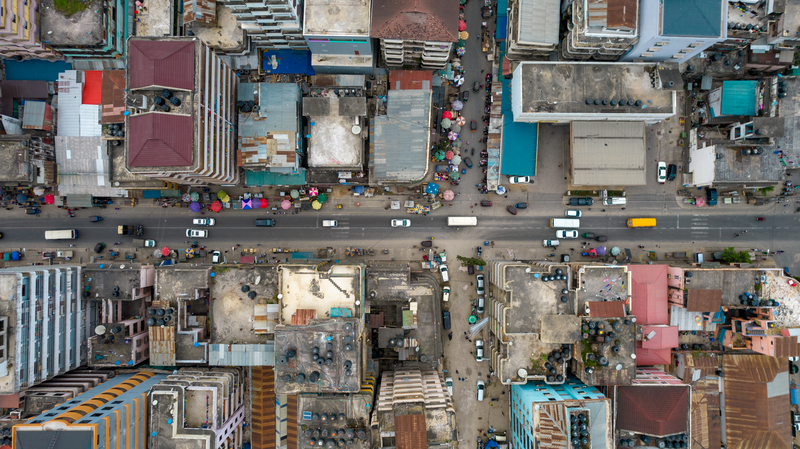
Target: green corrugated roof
x,y
701,18
739,97
268,178
408,318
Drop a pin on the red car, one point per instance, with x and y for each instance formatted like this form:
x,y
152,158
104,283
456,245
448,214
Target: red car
x,y
760,218
511,210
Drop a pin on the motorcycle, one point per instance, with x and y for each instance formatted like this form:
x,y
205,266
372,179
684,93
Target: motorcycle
x,y
473,151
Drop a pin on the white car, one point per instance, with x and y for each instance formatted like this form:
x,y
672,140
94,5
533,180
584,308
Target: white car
x,y
203,222
481,389
519,179
573,213
443,256
149,243
448,381
566,234
216,257
480,286
662,172
478,350
445,274
196,233
446,294
401,223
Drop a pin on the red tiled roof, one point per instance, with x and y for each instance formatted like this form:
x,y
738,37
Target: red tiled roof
x,y
649,293
655,411
606,309
158,140
650,357
113,97
92,86
410,79
167,63
410,432
422,20
666,337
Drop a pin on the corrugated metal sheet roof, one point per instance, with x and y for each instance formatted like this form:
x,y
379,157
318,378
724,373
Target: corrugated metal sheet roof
x,y
33,117
419,20
410,79
538,21
650,357
160,140
279,105
92,87
653,410
666,337
703,300
24,90
405,125
168,63
83,167
410,432
90,121
301,317
162,345
242,355
608,153
262,408
622,14
706,417
787,347
113,97
606,309
204,11
69,104
266,317
649,293
553,426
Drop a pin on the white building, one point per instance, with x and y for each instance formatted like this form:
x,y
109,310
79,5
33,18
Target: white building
x,y
603,30
678,30
532,28
337,33
271,24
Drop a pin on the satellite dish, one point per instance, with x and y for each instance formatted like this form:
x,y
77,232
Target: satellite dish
x,y
356,129
522,373
100,330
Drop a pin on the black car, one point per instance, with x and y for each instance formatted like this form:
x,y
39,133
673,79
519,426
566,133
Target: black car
x,y
711,197
521,205
581,201
473,126
486,203
511,210
465,96
99,247
468,162
672,172
446,320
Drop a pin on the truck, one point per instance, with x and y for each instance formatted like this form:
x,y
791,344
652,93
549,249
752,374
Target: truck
x,y
563,223
136,230
144,243
641,222
329,223
615,201
63,234
462,221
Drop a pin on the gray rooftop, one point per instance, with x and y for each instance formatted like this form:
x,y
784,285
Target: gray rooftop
x,y
621,367
242,354
740,169
279,104
564,87
103,280
80,437
337,18
85,28
180,284
602,283
538,21
732,281
333,106
14,158
349,412
84,167
269,137
608,153
333,143
406,125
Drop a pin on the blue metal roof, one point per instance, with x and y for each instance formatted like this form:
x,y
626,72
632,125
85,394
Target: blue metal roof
x,y
35,69
739,97
502,28
520,141
699,18
267,178
288,61
502,8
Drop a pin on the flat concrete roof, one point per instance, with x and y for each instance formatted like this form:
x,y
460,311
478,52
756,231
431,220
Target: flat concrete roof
x,y
14,158
333,143
348,411
305,288
337,18
732,281
737,168
564,87
608,153
601,283
104,280
621,367
85,28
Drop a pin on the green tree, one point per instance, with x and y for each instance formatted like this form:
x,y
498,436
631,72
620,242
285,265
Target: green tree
x,y
467,261
730,256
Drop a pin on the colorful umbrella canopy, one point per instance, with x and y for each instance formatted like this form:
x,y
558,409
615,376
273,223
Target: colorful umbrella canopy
x,y
157,253
449,155
322,198
446,123
264,203
501,190
439,155
221,194
194,207
432,188
463,35
316,205
189,252
186,197
461,43
313,191
49,199
458,105
447,114
461,120
461,51
452,136
226,199
285,204
462,25
195,196
247,204
457,143
294,194
454,175
455,160
216,206
165,251
601,250
615,251
448,195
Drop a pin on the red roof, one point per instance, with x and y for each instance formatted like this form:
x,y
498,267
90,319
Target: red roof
x,y
410,79
410,432
606,309
649,293
651,410
420,20
157,140
650,357
113,97
167,63
666,337
92,86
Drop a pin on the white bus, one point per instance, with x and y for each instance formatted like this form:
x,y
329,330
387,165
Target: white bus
x,y
462,221
565,223
61,235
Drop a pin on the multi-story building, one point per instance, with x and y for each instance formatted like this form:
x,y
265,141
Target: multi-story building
x,y
44,320
19,31
678,30
603,30
182,103
201,409
415,33
337,33
532,28
111,415
26,161
103,33
554,416
271,24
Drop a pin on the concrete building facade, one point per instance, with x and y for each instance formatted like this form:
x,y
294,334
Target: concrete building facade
x,y
112,24
19,31
337,33
532,28
603,30
271,24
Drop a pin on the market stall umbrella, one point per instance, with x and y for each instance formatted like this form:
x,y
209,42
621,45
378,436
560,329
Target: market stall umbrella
x,y
463,35
294,194
194,207
438,155
22,198
455,175
449,155
286,204
446,123
247,204
457,143
186,197
501,190
322,198
189,252
316,205
461,43
458,105
264,203
195,196
448,195
461,121
432,188
216,206
462,25
455,160
447,114
165,251
452,136
226,199
49,199
615,251
157,253
313,191
349,251
456,128
601,250
221,194
358,189
592,253
461,51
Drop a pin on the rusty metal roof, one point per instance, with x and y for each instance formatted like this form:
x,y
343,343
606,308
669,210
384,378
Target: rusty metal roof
x,y
112,101
160,140
421,20
301,317
706,416
162,345
622,13
606,309
262,408
553,426
787,346
703,300
162,63
653,410
410,432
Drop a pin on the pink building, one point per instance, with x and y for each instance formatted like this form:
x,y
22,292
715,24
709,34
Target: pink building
x,y
649,293
760,334
656,345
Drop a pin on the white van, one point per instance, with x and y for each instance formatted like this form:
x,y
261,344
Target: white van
x,y
66,234
446,294
615,201
329,223
445,274
569,223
